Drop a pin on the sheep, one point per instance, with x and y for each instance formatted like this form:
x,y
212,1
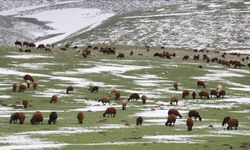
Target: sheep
x,y
201,84
53,99
36,118
231,122
35,85
17,116
193,95
28,77
117,95
139,121
195,114
131,53
222,93
134,96
175,112
120,56
21,117
28,83
185,93
93,89
70,89
124,104
214,92
203,94
144,98
174,99
175,85
22,87
52,118
14,87
25,103
80,117
171,120
189,124
185,57
104,100
110,111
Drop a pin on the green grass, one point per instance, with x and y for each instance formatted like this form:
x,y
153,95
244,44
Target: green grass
x,y
67,61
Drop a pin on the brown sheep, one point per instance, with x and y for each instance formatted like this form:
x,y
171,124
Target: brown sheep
x,y
93,89
195,114
52,118
70,89
120,56
144,98
231,122
36,118
139,121
222,93
80,117
28,77
117,95
124,104
203,94
193,95
35,85
185,57
131,53
201,84
214,92
175,85
53,99
17,116
14,87
185,93
22,87
171,120
21,117
175,112
25,103
134,96
174,99
110,111
104,100
189,124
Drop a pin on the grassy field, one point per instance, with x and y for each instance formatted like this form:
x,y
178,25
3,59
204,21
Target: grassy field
x,y
145,74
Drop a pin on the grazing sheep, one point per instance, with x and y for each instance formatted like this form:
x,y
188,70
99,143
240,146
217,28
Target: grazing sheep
x,y
70,89
201,83
25,103
131,53
193,95
110,111
117,95
104,100
171,120
17,116
14,86
41,46
222,93
53,99
80,117
21,117
195,114
231,122
175,112
190,124
215,93
139,121
120,56
35,85
28,83
28,77
174,99
36,118
196,57
52,118
185,57
134,96
175,85
185,93
203,94
93,89
144,99
124,104
22,87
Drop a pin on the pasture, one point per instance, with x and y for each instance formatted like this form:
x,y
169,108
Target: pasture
x,y
147,75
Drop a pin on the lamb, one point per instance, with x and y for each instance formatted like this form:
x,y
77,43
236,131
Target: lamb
x,y
80,117
139,121
110,111
171,120
195,114
189,124
52,118
175,112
